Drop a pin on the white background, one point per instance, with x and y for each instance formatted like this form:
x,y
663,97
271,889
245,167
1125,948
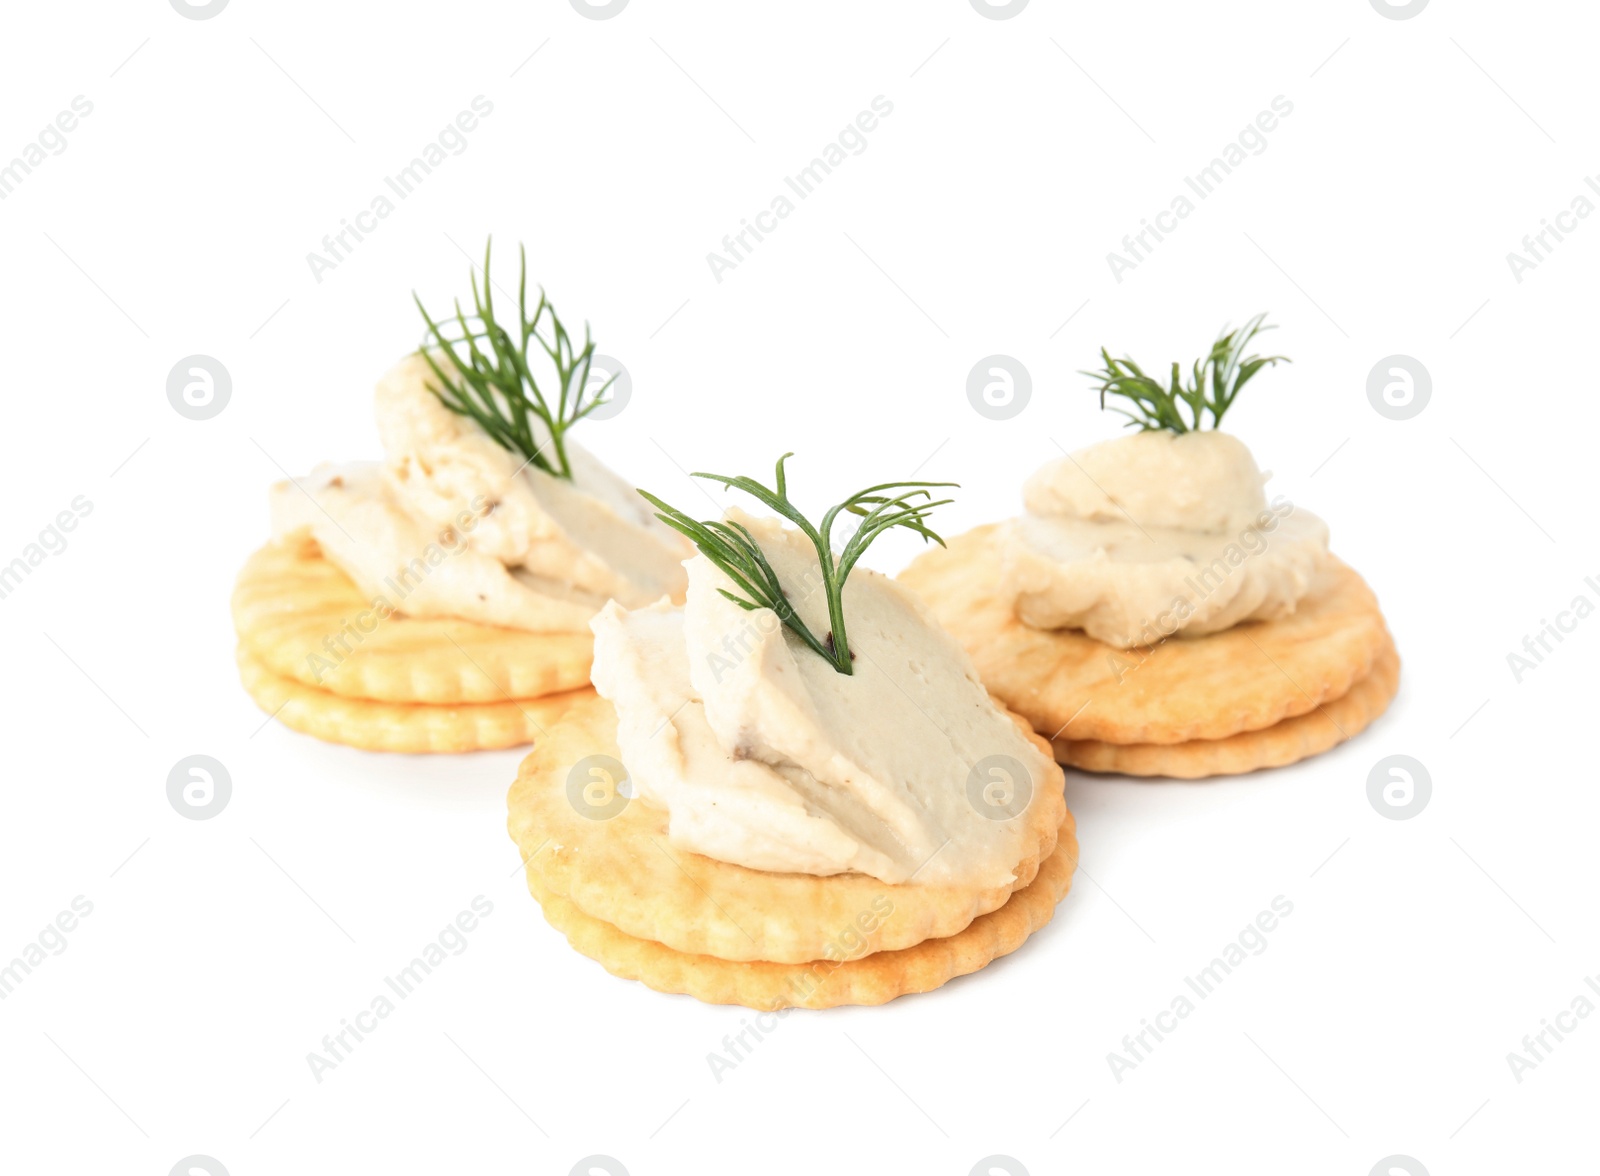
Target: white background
x,y
978,220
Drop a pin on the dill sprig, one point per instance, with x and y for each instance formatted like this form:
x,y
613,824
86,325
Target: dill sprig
x,y
494,383
1216,382
731,547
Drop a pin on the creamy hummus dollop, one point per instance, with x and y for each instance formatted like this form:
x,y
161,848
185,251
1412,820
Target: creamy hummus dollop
x,y
452,524
1154,534
765,756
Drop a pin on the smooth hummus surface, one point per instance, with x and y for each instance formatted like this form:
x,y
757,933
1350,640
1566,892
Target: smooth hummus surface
x,y
1156,533
452,524
766,756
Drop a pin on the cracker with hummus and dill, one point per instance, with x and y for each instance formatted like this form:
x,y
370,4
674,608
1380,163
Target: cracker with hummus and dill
x,y
462,570
792,789
1152,612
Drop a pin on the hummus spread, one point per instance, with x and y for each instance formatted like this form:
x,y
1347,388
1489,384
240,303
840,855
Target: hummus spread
x,y
764,755
452,524
1152,534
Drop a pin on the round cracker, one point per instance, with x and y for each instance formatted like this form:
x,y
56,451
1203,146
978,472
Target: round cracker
x,y
623,871
1284,742
301,618
1068,685
861,980
402,726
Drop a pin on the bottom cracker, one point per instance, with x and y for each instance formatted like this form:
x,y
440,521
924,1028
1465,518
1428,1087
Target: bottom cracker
x,y
1285,742
867,980
401,726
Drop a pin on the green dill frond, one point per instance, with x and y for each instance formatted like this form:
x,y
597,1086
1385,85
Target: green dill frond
x,y
1214,384
733,549
490,378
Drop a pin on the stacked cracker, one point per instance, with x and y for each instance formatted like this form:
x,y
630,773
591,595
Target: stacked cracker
x,y
1258,695
607,877
332,663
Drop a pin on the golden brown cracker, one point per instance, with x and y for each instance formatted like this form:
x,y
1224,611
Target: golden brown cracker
x,y
1285,742
622,871
402,726
818,984
1071,686
304,619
